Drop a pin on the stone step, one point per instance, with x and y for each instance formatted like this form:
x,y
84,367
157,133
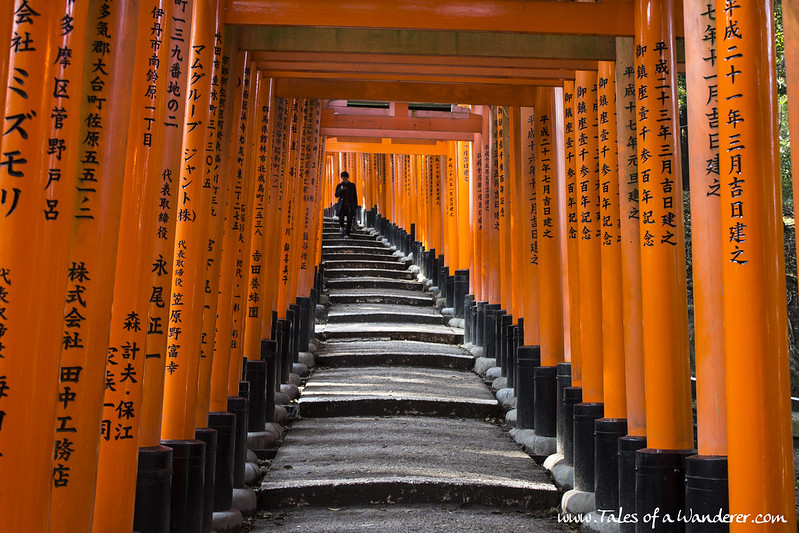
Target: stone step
x,y
374,352
356,256
403,460
404,518
352,245
385,265
374,282
386,313
400,297
393,331
389,391
354,240
339,273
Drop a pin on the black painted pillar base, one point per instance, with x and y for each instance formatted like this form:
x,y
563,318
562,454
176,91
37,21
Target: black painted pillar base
x,y
490,330
627,447
479,323
468,304
546,401
208,436
256,376
528,358
502,321
509,352
153,490
225,425
571,397
460,288
188,497
564,379
585,414
660,489
607,432
268,356
706,492
238,406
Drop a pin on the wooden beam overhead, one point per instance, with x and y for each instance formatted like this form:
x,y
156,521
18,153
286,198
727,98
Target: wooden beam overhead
x,y
424,60
546,78
408,72
460,93
606,18
417,42
385,146
400,127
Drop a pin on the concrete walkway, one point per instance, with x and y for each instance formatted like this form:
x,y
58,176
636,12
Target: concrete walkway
x,y
395,431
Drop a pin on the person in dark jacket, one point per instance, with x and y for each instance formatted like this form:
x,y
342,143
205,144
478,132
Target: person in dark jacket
x,y
347,203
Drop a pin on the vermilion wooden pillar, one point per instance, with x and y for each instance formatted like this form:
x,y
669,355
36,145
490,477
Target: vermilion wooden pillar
x,y
160,265
631,274
124,375
753,271
703,139
237,206
189,259
217,176
664,307
34,200
572,234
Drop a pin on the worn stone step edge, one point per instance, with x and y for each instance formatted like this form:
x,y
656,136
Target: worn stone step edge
x,y
398,335
422,301
328,407
365,264
405,490
427,360
338,273
386,317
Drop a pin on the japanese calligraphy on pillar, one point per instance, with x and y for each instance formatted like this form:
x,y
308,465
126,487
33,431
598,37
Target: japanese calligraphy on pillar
x,y
572,226
497,171
545,176
260,197
732,64
660,197
585,116
528,133
627,139
610,223
452,185
242,209
63,152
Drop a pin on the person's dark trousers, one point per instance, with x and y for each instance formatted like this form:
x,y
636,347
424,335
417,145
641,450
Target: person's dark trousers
x,y
345,212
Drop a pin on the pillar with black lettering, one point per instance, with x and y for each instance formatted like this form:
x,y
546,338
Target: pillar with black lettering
x,y
753,270
191,238
32,271
117,467
160,269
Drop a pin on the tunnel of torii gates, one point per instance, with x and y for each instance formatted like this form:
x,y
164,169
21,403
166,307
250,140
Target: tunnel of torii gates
x,y
165,164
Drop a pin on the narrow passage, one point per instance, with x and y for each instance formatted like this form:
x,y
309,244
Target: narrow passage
x,y
395,431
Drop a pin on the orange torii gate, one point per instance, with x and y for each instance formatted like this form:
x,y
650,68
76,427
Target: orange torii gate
x,y
167,179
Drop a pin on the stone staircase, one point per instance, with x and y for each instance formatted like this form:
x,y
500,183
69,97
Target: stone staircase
x,y
393,415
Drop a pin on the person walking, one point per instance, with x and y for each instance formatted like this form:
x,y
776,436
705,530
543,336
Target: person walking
x,y
347,203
